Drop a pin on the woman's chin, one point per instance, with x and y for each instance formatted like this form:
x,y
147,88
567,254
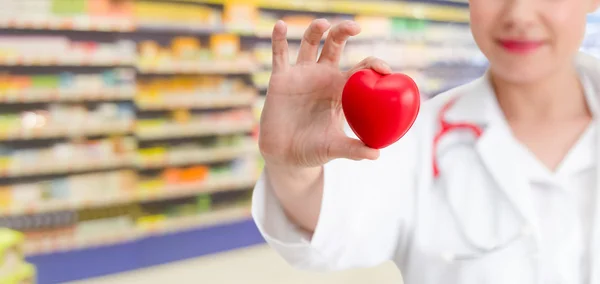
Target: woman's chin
x,y
519,73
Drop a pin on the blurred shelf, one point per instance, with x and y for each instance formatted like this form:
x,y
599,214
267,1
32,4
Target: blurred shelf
x,y
196,102
199,67
212,185
200,156
400,9
67,165
64,61
219,216
176,130
80,23
82,130
44,96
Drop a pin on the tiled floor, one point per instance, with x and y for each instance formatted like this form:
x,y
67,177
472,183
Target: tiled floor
x,y
257,265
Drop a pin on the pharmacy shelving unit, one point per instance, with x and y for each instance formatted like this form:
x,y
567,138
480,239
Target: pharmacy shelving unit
x,y
59,260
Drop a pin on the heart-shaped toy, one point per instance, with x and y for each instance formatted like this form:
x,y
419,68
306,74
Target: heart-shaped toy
x,y
380,109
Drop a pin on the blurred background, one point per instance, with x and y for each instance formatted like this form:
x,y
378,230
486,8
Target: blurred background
x,y
128,129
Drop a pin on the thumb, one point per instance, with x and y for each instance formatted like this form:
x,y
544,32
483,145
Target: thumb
x,y
353,149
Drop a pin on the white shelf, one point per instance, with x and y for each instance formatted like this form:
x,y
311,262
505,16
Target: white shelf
x,y
220,216
174,130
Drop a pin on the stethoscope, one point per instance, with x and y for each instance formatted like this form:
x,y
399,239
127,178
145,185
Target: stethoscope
x,y
480,251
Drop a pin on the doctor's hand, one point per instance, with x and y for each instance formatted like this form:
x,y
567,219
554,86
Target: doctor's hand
x,y
302,120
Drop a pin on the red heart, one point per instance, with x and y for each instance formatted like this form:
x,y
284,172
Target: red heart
x,y
380,109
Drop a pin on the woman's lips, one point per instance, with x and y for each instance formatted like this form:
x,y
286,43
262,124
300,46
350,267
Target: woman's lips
x,y
520,46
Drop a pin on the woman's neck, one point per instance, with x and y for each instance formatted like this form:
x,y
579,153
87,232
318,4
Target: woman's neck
x,y
556,97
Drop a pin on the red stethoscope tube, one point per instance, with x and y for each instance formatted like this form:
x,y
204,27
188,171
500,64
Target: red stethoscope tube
x,y
445,128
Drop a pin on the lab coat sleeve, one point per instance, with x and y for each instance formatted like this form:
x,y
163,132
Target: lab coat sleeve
x,y
365,218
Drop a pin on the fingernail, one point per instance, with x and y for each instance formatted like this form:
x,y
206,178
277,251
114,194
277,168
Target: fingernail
x,y
386,67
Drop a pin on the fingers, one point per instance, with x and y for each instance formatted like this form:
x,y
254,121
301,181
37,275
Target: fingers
x,y
374,63
309,47
336,40
280,47
353,149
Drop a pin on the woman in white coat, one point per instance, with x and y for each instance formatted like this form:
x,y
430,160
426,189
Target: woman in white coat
x,y
514,199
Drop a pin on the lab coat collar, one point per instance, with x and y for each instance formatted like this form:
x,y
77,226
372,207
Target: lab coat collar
x,y
476,103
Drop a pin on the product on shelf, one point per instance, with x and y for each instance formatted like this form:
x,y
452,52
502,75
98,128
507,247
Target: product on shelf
x,y
240,16
188,55
99,222
164,15
243,166
62,191
209,149
13,268
59,50
194,92
110,84
68,14
203,124
66,157
60,120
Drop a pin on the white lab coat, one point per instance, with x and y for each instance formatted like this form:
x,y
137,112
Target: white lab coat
x,y
436,231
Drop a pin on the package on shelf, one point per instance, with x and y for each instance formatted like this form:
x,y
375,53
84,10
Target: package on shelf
x,y
109,9
69,156
106,221
203,150
261,79
114,83
374,26
24,49
242,166
60,120
222,52
211,123
194,91
240,16
68,14
160,15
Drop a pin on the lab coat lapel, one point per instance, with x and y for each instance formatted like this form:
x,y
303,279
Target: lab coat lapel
x,y
496,148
